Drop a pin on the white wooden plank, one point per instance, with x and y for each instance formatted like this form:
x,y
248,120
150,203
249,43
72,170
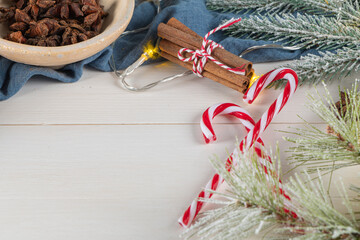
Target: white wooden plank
x,y
104,161
90,219
111,180
107,182
97,99
87,219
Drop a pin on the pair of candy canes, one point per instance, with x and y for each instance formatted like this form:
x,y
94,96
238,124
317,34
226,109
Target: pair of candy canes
x,y
253,137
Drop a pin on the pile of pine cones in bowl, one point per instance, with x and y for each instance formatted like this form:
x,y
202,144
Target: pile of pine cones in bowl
x,y
59,32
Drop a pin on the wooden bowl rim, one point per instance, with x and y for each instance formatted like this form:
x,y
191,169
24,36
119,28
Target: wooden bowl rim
x,y
112,32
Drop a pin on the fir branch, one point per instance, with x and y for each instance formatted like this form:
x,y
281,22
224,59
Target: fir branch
x,y
253,202
236,6
253,207
312,69
319,150
320,219
315,149
303,31
347,10
230,222
326,25
252,186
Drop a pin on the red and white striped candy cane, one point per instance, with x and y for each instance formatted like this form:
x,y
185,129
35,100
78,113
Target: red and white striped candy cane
x,y
208,133
223,109
254,131
253,92
201,56
275,108
227,109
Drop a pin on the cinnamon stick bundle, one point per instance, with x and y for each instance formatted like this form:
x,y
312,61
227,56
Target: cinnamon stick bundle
x,y
175,35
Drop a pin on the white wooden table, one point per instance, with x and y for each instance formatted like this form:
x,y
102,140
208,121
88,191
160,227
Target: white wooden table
x,y
89,160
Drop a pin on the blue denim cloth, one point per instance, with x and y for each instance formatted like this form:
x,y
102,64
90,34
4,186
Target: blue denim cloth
x,y
126,50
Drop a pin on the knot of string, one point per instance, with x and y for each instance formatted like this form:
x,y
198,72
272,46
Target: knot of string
x,y
200,56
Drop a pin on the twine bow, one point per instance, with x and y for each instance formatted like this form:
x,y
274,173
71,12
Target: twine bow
x,y
201,56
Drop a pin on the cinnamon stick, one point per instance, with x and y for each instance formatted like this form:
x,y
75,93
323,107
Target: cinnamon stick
x,y
251,74
173,22
205,74
185,37
239,80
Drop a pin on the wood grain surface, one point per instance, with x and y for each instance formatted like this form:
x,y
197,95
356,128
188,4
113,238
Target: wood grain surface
x,y
90,161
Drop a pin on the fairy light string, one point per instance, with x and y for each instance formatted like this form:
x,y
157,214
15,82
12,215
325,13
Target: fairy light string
x,y
199,58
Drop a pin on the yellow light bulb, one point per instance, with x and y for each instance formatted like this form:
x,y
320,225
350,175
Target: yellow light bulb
x,y
151,52
253,79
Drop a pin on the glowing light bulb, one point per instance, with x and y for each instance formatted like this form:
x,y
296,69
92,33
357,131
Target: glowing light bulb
x,y
253,79
151,52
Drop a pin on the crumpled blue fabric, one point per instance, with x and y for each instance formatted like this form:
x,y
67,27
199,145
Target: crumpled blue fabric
x,y
127,50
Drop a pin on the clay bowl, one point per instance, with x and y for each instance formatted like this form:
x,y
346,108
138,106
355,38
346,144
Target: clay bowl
x,y
120,13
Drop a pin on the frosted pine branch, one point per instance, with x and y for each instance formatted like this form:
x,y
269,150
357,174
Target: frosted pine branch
x,y
254,203
327,152
247,5
255,207
304,31
320,219
229,222
347,10
312,69
326,25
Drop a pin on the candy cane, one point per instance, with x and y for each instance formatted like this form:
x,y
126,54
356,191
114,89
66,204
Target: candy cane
x,y
254,131
223,109
208,133
276,107
228,109
253,92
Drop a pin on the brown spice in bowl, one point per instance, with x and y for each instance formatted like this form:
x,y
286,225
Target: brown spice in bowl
x,y
53,22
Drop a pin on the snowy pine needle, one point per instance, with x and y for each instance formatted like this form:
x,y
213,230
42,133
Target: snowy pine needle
x,y
301,30
319,219
254,206
312,69
346,10
330,26
316,149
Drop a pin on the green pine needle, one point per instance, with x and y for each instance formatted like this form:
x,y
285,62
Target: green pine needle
x,y
313,69
252,202
317,149
301,30
330,26
346,10
320,220
253,206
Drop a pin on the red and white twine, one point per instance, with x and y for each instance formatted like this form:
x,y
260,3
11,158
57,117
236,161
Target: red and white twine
x,y
199,57
254,132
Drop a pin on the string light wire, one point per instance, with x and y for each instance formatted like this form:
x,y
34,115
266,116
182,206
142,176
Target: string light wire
x,y
149,53
153,52
266,46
